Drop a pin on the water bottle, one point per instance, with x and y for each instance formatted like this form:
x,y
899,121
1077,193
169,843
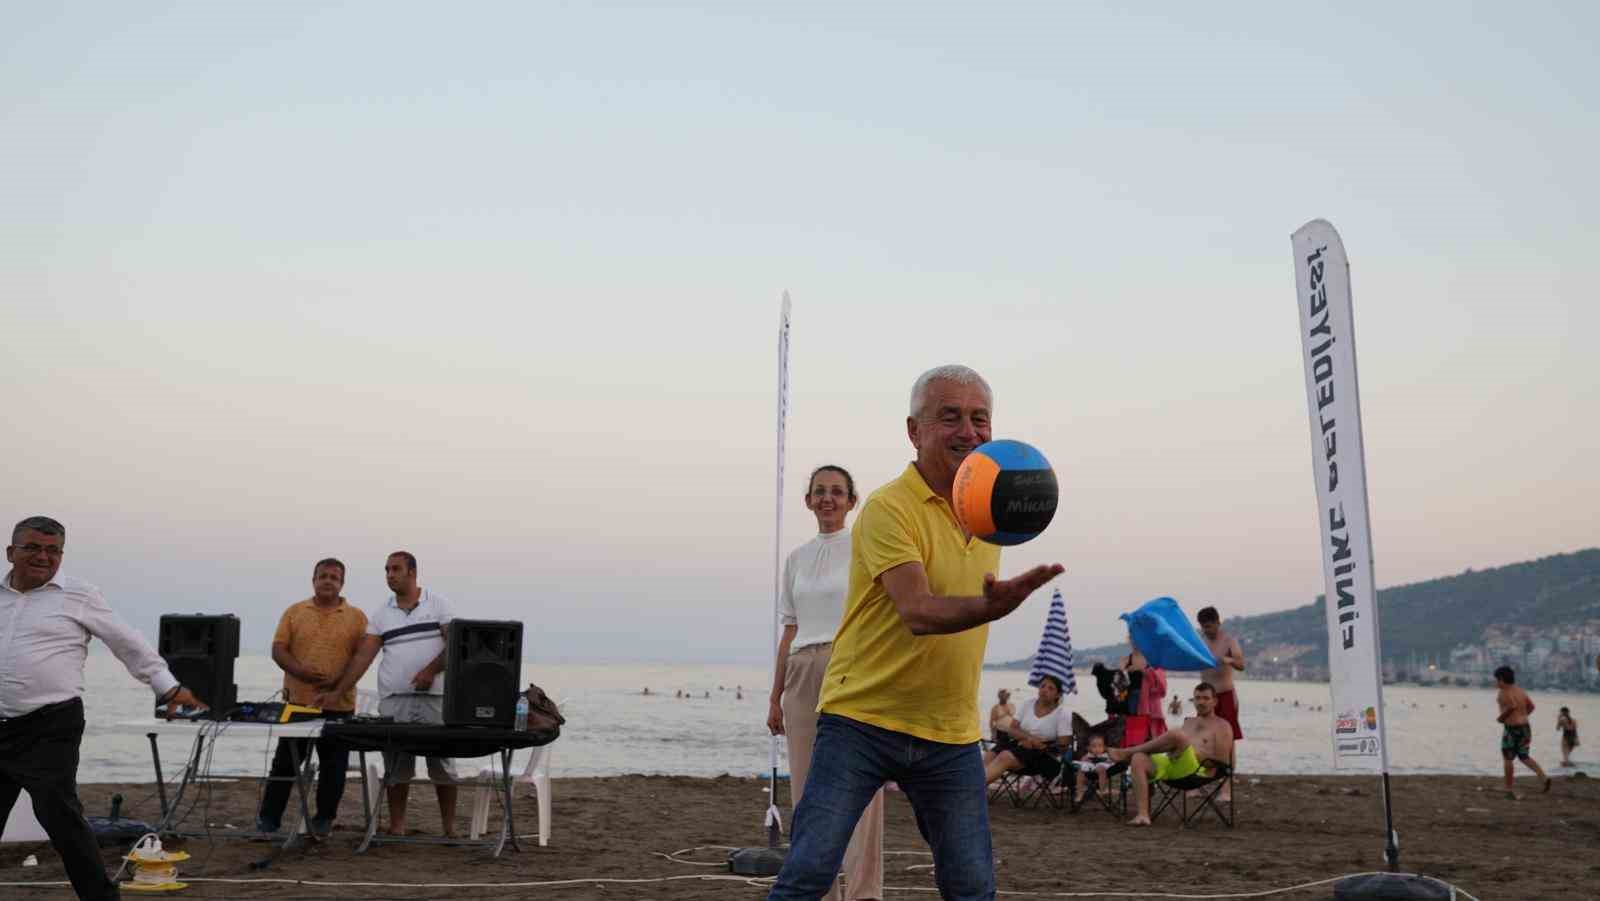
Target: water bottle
x,y
522,713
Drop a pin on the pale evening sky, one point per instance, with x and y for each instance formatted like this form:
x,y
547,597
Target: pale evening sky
x,y
499,284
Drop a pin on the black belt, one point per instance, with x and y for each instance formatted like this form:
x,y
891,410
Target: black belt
x,y
41,711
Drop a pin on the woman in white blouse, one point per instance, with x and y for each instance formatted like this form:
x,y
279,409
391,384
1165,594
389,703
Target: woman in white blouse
x,y
1028,743
815,580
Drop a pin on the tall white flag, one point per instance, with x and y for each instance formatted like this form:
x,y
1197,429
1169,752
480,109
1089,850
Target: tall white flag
x,y
1328,341
777,529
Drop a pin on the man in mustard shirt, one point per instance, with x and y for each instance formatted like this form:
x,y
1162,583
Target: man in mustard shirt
x,y
900,697
314,643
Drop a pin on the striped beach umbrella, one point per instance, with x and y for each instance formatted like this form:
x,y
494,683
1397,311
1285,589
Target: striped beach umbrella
x,y
1055,649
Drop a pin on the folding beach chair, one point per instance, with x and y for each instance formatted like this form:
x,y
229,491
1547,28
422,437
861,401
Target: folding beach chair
x,y
1001,787
1054,791
1030,790
1116,799
1206,787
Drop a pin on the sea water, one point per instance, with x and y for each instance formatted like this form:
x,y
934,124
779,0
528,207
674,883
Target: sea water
x,y
719,724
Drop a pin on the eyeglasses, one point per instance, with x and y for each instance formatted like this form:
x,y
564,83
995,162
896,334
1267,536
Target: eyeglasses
x,y
50,550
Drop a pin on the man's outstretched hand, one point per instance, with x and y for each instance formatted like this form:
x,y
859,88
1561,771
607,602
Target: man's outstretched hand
x,y
182,697
1010,593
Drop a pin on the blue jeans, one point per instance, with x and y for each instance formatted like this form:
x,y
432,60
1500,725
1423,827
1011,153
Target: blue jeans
x,y
944,784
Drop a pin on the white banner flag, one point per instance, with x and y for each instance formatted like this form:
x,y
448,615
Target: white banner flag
x,y
777,530
1327,335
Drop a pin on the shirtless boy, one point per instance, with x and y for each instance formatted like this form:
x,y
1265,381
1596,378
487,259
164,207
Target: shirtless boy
x,y
1203,738
1515,706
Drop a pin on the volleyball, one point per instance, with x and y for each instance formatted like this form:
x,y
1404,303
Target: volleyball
x,y
1005,492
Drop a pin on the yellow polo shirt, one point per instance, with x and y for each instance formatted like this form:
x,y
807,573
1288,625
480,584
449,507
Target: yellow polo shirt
x,y
881,674
323,639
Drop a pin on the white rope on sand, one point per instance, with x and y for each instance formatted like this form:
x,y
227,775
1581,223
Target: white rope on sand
x,y
675,858
703,877
319,883
764,882
1260,894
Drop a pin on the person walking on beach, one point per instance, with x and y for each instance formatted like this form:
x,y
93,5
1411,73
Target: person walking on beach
x,y
900,695
1181,752
315,642
46,622
1230,658
1517,737
815,579
410,631
1568,727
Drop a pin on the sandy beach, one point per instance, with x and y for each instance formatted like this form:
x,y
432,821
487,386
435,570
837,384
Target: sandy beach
x,y
1290,830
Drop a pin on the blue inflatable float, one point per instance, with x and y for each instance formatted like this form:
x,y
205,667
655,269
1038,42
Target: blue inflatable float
x,y
1163,634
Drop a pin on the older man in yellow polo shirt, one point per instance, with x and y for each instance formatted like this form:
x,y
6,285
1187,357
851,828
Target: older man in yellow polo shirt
x,y
900,697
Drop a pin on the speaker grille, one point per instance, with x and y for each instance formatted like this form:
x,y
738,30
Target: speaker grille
x,y
483,664
200,651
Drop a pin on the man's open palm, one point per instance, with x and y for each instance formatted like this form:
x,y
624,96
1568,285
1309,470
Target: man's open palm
x,y
1015,590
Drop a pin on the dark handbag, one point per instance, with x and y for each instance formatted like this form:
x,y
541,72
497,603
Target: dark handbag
x,y
543,714
1119,687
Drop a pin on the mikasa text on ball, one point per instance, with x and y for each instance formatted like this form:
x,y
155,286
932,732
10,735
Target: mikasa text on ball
x,y
1005,492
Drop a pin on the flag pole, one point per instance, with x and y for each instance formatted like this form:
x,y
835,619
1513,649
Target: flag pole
x,y
774,820
1338,452
768,861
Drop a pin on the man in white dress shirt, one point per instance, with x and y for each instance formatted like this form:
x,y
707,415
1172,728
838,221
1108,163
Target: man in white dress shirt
x,y
46,622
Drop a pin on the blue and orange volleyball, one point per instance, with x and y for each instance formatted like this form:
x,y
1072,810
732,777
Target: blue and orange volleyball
x,y
1005,492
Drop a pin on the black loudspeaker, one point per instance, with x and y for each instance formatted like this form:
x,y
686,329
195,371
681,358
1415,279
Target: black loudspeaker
x,y
482,671
200,650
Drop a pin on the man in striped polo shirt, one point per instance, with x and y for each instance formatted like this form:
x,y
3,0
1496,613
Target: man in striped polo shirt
x,y
410,630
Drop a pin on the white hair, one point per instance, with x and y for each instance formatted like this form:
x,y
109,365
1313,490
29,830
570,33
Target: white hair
x,y
950,372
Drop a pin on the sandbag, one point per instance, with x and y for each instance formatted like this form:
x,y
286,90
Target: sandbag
x,y
1391,887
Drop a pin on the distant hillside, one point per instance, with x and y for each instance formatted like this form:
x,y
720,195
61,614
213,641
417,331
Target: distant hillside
x,y
1426,618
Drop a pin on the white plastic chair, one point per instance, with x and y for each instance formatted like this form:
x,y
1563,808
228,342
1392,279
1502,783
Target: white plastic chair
x,y
536,774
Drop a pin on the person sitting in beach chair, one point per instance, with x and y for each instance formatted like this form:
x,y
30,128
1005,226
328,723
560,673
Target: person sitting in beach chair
x,y
1095,763
999,713
1109,734
1194,749
1191,796
1031,745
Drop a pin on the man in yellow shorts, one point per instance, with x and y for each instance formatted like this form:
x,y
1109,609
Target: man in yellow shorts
x,y
1203,738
